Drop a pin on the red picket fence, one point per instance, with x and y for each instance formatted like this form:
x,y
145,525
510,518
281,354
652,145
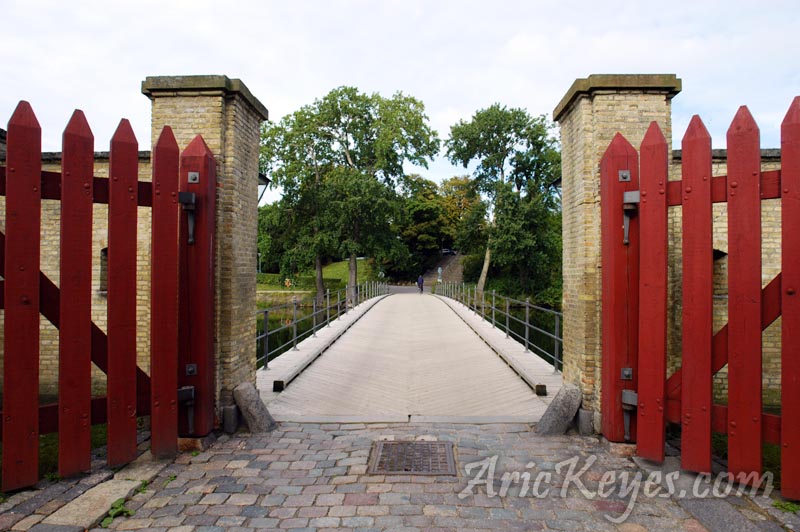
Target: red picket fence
x,y
636,194
28,292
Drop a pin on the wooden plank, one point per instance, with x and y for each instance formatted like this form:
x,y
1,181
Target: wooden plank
x,y
21,316
196,321
620,278
770,188
744,296
51,188
790,303
122,221
698,299
770,311
164,297
75,333
652,296
770,426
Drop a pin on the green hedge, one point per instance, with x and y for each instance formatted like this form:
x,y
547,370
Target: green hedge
x,y
302,282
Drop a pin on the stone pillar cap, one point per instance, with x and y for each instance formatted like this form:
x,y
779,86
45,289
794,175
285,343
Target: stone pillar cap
x,y
666,83
153,85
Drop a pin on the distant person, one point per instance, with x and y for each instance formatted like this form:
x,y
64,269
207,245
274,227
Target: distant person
x,y
420,282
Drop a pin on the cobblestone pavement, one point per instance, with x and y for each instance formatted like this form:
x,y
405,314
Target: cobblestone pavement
x,y
314,477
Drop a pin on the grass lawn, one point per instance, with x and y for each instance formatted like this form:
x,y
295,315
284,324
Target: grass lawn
x,y
334,270
339,270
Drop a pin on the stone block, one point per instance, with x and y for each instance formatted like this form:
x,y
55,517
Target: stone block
x,y
560,412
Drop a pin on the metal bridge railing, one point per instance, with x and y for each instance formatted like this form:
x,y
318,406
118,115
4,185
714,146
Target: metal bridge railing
x,y
297,323
536,328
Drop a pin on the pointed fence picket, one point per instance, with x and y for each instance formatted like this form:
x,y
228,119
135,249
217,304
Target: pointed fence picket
x,y
685,397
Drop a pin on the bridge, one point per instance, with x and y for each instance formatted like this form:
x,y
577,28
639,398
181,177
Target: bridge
x,y
408,357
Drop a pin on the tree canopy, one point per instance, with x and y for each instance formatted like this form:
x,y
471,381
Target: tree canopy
x,y
517,163
338,161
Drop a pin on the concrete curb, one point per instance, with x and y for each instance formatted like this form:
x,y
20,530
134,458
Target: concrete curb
x,y
280,382
89,508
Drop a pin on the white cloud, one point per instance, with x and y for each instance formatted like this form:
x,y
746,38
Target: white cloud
x,y
456,56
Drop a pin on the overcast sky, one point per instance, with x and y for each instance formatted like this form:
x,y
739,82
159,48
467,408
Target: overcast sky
x,y
456,56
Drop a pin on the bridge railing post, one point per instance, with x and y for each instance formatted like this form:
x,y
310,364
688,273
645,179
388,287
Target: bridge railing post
x,y
294,323
507,314
266,339
328,307
527,320
557,352
314,317
494,324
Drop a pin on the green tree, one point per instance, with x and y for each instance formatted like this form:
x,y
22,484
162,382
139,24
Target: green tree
x,y
510,147
365,134
465,213
424,227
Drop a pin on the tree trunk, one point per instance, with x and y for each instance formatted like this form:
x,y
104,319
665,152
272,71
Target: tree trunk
x,y
484,271
353,278
320,283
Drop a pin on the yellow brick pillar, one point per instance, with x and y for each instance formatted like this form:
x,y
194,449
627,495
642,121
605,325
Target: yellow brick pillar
x,y
229,118
593,110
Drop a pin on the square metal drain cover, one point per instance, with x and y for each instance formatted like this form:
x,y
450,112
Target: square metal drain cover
x,y
412,458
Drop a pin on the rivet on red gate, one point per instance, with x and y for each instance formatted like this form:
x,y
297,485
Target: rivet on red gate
x,y
688,189
755,420
661,191
130,189
790,291
733,424
644,193
35,189
131,197
785,190
705,178
703,408
660,408
12,169
156,403
734,184
86,185
755,174
22,268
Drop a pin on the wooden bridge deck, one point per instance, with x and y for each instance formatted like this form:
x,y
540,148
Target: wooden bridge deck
x,y
411,358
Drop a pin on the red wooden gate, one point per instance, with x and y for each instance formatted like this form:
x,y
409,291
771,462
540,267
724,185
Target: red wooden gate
x,y
635,298
28,292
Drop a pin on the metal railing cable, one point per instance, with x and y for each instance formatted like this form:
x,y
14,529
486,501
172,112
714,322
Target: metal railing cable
x,y
296,322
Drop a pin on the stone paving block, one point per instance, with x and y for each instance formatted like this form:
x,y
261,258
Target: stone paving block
x,y
718,515
44,527
88,509
342,511
28,522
